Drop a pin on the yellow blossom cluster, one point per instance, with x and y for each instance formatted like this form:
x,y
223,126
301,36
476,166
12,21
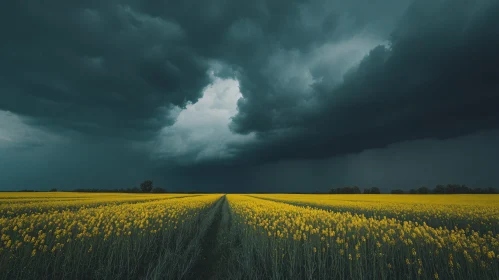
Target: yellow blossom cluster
x,y
53,229
403,244
13,204
480,212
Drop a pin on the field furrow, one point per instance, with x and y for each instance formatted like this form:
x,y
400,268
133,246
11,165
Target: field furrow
x,y
254,236
100,242
284,241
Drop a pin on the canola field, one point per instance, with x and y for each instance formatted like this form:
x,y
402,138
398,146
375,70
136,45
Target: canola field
x,y
271,236
371,236
96,236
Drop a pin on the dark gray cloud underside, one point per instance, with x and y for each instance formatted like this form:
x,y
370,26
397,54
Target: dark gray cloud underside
x,y
96,67
319,79
438,78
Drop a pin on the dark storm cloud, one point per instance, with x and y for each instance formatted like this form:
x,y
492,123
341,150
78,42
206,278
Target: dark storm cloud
x,y
437,78
319,78
470,160
119,67
93,66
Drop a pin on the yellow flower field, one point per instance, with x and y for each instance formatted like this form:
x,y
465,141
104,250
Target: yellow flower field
x,y
17,203
478,211
69,229
313,243
272,236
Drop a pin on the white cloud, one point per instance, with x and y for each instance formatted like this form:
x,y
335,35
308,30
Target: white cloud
x,y
201,131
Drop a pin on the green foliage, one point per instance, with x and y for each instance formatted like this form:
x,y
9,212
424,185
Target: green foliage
x,y
450,189
146,186
373,190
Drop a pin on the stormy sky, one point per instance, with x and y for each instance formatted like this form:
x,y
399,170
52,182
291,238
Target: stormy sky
x,y
242,96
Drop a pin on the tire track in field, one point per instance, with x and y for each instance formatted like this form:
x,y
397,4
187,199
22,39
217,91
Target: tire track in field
x,y
209,258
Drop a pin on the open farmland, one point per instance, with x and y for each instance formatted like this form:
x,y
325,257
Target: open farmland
x,y
479,212
80,236
349,236
273,236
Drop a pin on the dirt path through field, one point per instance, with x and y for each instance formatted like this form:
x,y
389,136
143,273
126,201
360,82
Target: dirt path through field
x,y
208,260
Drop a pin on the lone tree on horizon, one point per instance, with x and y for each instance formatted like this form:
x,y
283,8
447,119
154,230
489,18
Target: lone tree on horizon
x,y
146,186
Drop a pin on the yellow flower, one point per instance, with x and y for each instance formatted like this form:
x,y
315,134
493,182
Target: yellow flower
x,y
491,254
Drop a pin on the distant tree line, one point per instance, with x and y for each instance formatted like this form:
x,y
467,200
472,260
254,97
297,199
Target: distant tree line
x,y
448,189
27,190
146,187
372,190
345,190
439,189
